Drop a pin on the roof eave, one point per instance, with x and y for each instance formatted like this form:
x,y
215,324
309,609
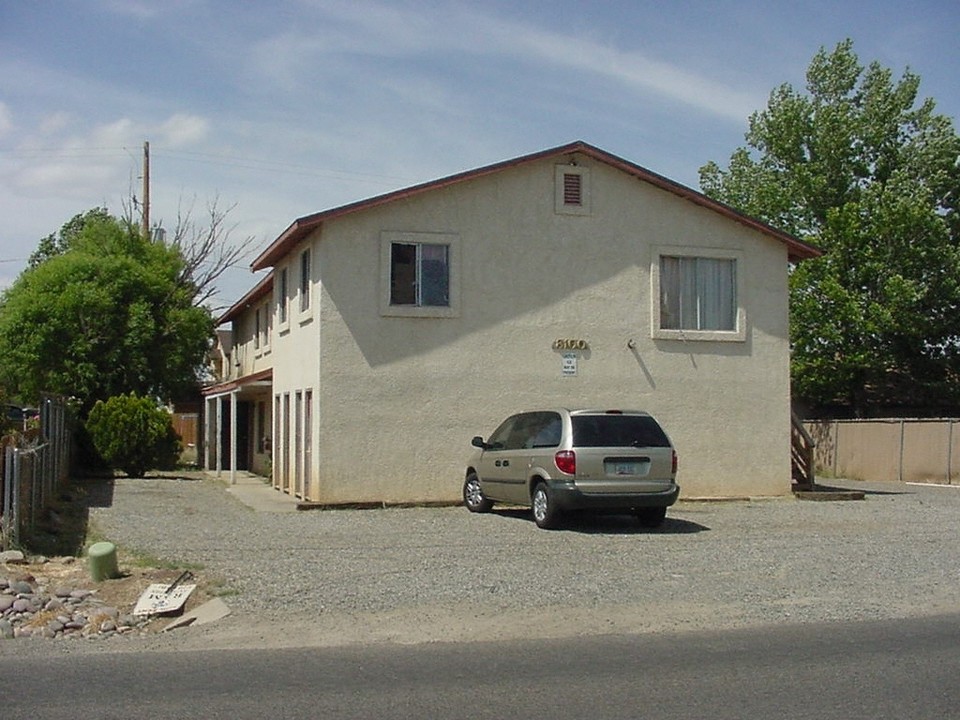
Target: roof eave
x,y
258,291
302,227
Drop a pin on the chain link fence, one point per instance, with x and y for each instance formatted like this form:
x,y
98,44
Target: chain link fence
x,y
35,466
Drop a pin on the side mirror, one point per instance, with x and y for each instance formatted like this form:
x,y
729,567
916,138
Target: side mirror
x,y
478,442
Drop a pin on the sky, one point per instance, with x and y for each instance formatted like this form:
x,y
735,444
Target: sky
x,y
276,110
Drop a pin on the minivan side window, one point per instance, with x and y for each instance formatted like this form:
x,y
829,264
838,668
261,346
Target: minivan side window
x,y
548,431
498,439
536,429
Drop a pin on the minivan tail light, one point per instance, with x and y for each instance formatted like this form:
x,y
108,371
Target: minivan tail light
x,y
566,462
675,462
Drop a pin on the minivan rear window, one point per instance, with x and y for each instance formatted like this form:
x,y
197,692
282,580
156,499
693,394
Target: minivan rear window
x,y
617,431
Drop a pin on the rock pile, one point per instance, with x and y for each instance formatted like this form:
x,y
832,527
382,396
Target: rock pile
x,y
30,609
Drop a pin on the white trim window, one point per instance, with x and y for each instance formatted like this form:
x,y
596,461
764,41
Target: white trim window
x,y
697,296
266,326
283,298
420,275
304,290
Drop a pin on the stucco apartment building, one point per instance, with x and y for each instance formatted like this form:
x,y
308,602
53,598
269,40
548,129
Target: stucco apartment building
x,y
388,332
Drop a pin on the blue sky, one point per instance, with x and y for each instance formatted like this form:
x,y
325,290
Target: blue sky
x,y
289,107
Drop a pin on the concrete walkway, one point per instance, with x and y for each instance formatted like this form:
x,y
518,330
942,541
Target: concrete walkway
x,y
255,492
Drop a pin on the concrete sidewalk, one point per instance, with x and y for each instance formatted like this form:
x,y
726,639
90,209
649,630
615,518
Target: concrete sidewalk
x,y
255,492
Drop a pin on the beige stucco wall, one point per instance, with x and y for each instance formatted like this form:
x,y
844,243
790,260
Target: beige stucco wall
x,y
398,399
296,368
250,354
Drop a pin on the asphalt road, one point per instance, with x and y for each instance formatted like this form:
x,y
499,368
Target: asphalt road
x,y
870,670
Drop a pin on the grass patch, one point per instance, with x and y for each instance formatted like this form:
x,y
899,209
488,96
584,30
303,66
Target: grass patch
x,y
141,559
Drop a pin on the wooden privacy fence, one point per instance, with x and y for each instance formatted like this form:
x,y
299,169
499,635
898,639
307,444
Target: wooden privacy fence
x,y
900,449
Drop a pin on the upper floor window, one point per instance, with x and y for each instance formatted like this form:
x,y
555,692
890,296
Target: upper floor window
x,y
305,280
263,326
697,297
282,297
698,293
420,274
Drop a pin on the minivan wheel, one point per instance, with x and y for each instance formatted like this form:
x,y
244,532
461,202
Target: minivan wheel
x,y
546,514
651,517
473,496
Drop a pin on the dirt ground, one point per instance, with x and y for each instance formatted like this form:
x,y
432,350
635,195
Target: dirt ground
x,y
121,593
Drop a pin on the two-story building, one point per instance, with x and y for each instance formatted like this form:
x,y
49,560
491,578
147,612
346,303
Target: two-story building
x,y
390,331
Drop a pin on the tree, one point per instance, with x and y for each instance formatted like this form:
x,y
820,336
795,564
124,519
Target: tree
x,y
106,314
207,249
857,166
57,244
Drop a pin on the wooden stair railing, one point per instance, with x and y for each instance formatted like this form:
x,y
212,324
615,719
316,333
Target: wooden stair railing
x,y
801,455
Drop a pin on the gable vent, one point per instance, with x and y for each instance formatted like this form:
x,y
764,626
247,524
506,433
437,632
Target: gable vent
x,y
572,189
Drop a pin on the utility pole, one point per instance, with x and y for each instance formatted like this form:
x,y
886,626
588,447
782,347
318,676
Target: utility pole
x,y
145,218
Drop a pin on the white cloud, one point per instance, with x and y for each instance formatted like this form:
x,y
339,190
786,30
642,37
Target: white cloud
x,y
631,69
347,31
143,9
119,133
6,120
183,129
101,161
54,123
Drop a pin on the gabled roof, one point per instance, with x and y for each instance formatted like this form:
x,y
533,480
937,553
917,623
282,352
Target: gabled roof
x,y
254,295
302,227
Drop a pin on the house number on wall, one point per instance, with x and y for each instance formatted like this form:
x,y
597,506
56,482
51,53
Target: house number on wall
x,y
569,344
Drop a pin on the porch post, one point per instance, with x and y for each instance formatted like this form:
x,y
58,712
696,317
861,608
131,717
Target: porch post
x,y
219,439
233,437
207,432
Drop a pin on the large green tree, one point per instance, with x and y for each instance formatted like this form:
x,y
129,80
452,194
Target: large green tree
x,y
860,167
101,312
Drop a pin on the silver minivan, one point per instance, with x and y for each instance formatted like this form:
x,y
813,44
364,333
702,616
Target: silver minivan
x,y
558,460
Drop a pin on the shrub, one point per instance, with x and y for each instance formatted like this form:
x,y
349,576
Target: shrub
x,y
133,435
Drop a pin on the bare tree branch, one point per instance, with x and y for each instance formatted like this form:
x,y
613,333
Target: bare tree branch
x,y
207,249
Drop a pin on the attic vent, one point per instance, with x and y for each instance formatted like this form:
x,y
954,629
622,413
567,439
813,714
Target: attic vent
x,y
572,189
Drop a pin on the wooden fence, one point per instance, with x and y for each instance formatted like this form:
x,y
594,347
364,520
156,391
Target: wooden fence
x,y
904,450
186,425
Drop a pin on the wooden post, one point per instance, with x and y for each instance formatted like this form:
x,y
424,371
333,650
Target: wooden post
x,y
145,219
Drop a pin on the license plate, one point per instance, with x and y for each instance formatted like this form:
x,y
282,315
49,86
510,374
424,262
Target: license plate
x,y
623,468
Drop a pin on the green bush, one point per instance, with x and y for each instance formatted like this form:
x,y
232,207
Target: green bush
x,y
133,435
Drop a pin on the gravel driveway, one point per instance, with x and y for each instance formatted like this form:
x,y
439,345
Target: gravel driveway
x,y
409,575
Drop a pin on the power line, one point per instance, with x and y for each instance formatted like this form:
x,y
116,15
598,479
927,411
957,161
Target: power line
x,y
223,159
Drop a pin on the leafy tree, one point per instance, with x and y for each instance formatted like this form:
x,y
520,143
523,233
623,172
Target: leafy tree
x,y
132,434
206,248
57,244
106,314
859,167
